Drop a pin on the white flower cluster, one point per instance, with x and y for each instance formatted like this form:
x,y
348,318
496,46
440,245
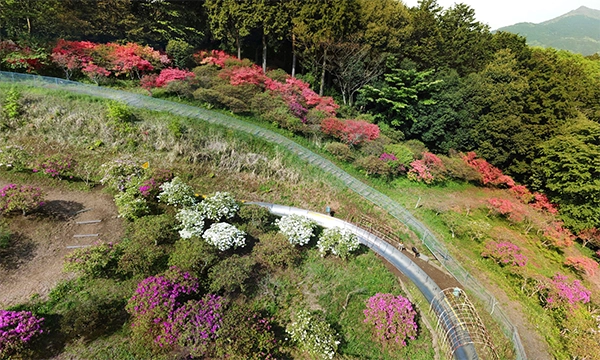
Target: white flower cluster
x,y
220,205
177,193
224,236
313,335
298,229
192,222
340,242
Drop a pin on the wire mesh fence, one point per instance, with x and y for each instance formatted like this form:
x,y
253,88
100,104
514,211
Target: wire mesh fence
x,y
434,245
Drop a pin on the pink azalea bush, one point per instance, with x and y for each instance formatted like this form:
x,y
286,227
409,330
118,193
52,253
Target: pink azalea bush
x,y
22,198
505,253
393,319
57,165
429,169
582,264
165,77
17,329
562,293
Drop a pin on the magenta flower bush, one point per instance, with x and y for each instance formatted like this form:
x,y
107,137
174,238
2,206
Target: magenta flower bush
x,y
22,198
393,319
155,301
194,325
17,329
562,293
505,253
57,166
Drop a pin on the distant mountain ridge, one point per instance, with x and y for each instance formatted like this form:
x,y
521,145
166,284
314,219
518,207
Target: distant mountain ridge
x,y
577,31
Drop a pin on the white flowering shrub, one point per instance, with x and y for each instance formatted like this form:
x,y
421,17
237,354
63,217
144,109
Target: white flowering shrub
x,y
191,221
177,193
224,236
340,242
120,173
313,335
298,229
220,205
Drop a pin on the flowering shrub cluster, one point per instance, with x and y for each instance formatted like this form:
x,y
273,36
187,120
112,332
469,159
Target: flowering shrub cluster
x,y
17,329
388,157
505,208
429,169
14,157
393,319
505,253
298,229
58,165
21,57
120,173
98,260
582,264
313,335
214,57
561,293
351,132
558,236
192,222
155,301
220,205
165,77
177,193
129,205
224,236
22,198
340,242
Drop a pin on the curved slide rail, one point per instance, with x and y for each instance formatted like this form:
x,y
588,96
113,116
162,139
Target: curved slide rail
x,y
458,337
393,208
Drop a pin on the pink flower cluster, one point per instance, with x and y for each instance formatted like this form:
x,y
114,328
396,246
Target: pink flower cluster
x,y
17,328
351,132
57,165
214,57
23,198
165,77
388,157
582,264
393,318
427,169
561,292
506,208
505,253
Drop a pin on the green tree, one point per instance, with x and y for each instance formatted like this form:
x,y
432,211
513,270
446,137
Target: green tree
x,y
230,21
568,169
273,20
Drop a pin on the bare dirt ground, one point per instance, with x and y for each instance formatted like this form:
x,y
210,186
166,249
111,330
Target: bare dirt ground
x,y
33,263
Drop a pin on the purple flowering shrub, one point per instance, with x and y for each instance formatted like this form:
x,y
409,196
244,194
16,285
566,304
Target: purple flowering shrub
x,y
393,319
505,253
163,311
17,329
150,188
560,293
22,198
57,166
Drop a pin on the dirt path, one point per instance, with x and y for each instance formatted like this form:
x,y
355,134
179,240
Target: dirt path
x,y
33,263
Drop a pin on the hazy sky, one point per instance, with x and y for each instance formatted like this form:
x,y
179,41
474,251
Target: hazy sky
x,y
499,13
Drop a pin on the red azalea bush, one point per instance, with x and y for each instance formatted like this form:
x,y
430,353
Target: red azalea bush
x,y
505,253
214,57
393,319
489,173
17,329
166,76
21,57
582,264
541,202
591,236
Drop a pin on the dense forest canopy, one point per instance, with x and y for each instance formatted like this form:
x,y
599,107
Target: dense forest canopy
x,y
424,73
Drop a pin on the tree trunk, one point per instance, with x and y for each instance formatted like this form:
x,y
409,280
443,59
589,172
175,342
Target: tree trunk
x,y
293,55
264,55
28,26
237,42
321,88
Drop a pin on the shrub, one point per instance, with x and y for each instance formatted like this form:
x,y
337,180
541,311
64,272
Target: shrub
x,y
457,169
282,117
196,323
428,169
314,335
90,315
180,51
273,251
12,108
582,264
555,234
333,127
403,154
296,228
505,253
256,216
206,76
340,242
118,174
591,236
22,198
58,165
130,206
99,260
14,157
169,75
118,112
541,202
5,236
154,303
224,236
339,150
393,319
373,165
141,257
17,330
219,206
177,193
246,335
489,173
191,222
193,255
231,274
562,293
264,102
505,208
156,229
359,131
